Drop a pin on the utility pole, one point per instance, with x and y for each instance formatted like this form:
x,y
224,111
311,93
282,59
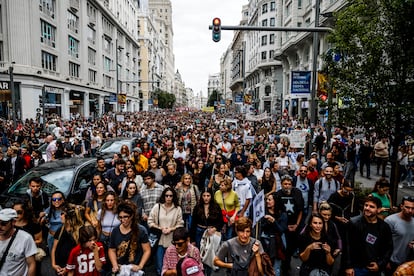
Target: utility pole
x,y
13,96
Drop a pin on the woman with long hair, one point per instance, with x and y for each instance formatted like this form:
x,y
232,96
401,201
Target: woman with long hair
x,y
131,175
165,216
229,204
315,248
156,169
66,237
131,193
188,195
129,243
146,150
53,218
216,178
96,179
273,225
268,184
107,217
125,153
95,204
206,215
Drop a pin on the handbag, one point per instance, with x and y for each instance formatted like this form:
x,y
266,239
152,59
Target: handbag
x,y
155,233
40,254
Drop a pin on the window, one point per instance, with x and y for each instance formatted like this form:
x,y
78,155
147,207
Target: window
x,y
288,9
299,4
48,34
92,76
267,90
91,56
264,23
107,81
272,39
271,54
91,33
272,6
73,46
272,22
264,8
91,11
263,55
74,69
107,64
49,61
48,7
73,22
264,40
107,45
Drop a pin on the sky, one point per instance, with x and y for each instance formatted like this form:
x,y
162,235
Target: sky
x,y
196,55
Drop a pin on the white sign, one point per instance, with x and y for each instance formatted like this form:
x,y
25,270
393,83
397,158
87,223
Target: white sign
x,y
258,207
297,138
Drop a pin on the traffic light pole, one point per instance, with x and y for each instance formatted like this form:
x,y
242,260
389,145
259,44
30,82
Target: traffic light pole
x,y
276,29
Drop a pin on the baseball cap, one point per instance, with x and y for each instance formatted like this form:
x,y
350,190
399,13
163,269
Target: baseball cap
x,y
314,153
7,214
137,150
189,266
338,136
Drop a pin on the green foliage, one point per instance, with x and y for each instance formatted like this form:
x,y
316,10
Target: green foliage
x,y
165,100
376,43
214,96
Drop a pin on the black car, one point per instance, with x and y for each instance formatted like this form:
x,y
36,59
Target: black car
x,y
70,176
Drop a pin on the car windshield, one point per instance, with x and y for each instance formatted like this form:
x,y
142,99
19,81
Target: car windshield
x,y
114,146
53,180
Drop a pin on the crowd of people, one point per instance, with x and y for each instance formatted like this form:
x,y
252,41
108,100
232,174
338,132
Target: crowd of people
x,y
180,202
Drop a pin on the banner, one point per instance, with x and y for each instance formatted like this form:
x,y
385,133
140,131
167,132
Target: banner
x,y
322,85
300,82
257,118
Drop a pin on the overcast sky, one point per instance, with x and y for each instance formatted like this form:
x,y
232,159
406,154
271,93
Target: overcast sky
x,y
196,55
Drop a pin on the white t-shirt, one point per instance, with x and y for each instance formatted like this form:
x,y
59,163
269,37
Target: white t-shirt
x,y
22,247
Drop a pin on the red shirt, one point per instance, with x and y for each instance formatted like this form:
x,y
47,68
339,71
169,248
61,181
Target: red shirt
x,y
81,260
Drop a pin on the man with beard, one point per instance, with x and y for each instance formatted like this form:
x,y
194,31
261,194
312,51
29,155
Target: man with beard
x,y
292,201
324,187
368,246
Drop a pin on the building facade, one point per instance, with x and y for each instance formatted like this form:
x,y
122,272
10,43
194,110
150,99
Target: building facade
x,y
79,58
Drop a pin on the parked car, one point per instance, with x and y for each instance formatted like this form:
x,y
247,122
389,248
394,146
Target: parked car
x,y
70,176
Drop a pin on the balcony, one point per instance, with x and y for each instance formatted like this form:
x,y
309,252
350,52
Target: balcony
x,y
74,5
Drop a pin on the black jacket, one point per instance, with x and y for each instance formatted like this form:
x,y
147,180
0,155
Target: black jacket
x,y
367,242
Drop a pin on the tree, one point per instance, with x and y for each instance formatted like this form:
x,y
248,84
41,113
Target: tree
x,y
375,40
165,100
214,97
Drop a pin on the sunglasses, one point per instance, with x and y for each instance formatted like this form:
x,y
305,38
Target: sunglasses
x,y
4,223
168,195
179,244
123,217
56,199
19,212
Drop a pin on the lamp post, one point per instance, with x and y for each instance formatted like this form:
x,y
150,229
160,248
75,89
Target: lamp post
x,y
314,76
117,48
13,96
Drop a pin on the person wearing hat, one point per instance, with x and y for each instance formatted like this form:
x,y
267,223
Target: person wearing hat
x,y
19,258
139,160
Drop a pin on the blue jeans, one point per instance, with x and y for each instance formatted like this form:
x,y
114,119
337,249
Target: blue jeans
x,y
199,235
276,266
365,272
159,258
187,221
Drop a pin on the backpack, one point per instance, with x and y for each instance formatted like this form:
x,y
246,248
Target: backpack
x,y
188,266
319,181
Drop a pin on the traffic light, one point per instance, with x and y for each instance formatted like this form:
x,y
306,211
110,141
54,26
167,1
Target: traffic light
x,y
323,97
216,29
40,100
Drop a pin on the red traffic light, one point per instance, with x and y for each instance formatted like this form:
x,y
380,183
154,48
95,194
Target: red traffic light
x,y
216,29
323,97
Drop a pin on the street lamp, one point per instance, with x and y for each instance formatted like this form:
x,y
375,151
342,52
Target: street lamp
x,y
314,75
117,48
